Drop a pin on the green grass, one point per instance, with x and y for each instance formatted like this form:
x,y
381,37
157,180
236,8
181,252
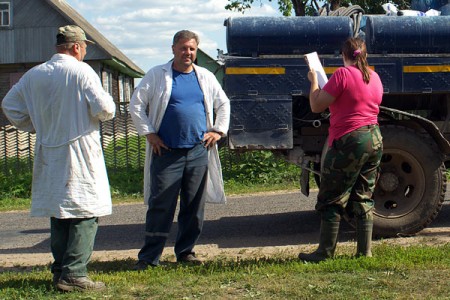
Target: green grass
x,y
17,203
11,204
395,272
235,188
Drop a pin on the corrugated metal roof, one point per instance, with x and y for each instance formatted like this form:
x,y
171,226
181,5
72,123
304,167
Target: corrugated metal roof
x,y
93,34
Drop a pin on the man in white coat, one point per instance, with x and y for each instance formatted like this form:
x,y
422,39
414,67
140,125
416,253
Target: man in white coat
x,y
188,112
62,100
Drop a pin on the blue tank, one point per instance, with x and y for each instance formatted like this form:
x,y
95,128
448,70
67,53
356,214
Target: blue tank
x,y
424,5
254,36
406,34
445,10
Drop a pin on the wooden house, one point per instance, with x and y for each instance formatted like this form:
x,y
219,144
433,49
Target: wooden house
x,y
28,37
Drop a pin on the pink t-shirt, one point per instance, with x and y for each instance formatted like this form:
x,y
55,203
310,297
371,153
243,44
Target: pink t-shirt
x,y
356,103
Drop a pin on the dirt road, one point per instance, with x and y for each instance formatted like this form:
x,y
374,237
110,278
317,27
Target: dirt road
x,y
255,225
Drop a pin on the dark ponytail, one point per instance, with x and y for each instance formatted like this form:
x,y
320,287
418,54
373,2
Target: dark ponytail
x,y
355,49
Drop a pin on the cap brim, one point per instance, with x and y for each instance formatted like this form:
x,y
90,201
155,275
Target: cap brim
x,y
90,42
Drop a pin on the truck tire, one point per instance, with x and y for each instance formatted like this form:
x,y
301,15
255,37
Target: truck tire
x,y
412,184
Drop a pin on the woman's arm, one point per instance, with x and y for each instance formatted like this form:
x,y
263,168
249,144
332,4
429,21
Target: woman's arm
x,y
319,100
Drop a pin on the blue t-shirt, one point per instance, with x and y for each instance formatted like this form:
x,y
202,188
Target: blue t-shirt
x,y
184,122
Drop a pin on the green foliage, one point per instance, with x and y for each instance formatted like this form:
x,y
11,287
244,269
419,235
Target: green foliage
x,y
256,167
239,170
15,180
284,6
302,7
126,182
242,172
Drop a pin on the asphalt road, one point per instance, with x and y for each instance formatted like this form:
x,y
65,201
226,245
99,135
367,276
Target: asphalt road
x,y
251,221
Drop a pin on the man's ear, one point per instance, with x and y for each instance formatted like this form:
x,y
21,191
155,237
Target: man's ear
x,y
76,48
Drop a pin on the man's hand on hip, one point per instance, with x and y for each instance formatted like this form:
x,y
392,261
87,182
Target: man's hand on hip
x,y
155,141
211,138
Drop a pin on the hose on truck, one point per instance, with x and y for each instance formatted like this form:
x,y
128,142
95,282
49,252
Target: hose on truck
x,y
355,12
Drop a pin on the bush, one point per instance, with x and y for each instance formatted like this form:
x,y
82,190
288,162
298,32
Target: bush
x,y
256,167
126,178
126,182
15,180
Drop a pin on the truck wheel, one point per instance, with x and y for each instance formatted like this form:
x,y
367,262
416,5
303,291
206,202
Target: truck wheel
x,y
411,188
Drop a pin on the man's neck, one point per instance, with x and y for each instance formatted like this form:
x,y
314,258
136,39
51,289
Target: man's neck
x,y
183,69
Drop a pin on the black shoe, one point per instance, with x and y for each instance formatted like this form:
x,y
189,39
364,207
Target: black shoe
x,y
142,265
69,284
313,257
56,276
190,259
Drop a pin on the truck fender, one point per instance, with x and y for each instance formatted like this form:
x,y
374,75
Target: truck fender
x,y
430,127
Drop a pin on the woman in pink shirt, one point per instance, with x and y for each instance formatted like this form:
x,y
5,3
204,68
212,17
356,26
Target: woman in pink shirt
x,y
351,162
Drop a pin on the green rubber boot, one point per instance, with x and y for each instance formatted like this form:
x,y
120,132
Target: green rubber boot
x,y
364,228
327,244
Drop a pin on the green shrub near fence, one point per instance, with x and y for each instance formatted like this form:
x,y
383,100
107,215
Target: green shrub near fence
x,y
15,179
256,167
126,177
125,154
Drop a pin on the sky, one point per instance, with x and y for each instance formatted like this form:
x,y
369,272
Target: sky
x,y
143,29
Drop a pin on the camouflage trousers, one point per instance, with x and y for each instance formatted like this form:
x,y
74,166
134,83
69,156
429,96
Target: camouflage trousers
x,y
350,169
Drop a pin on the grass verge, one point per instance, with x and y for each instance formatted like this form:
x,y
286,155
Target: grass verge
x,y
395,272
13,203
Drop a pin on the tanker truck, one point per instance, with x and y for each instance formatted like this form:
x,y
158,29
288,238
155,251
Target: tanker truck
x,y
266,81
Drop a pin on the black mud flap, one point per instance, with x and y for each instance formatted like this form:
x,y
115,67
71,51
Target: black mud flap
x,y
304,182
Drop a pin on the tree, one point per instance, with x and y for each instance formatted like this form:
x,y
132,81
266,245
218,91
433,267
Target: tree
x,y
309,7
284,6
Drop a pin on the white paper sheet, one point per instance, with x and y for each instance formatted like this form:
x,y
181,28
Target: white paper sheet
x,y
312,59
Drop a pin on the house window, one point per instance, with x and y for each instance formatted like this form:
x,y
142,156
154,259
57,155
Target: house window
x,y
125,88
121,89
107,82
5,14
124,93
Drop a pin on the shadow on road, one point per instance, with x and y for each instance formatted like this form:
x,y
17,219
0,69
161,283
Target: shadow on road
x,y
291,228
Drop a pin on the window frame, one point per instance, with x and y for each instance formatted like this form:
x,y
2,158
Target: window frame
x,y
108,81
8,12
124,85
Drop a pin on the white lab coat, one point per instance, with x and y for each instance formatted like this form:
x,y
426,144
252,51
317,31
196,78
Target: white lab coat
x,y
154,91
62,100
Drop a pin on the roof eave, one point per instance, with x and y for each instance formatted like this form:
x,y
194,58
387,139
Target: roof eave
x,y
73,16
122,67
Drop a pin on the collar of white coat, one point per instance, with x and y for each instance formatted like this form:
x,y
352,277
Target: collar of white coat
x,y
168,68
62,56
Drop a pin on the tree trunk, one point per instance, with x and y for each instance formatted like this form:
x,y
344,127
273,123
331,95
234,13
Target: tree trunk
x,y
299,7
335,4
